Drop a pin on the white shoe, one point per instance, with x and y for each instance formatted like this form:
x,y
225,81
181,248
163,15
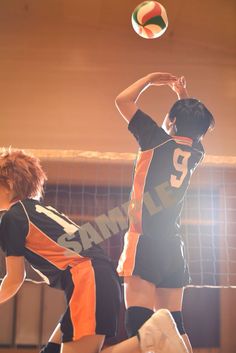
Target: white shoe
x,y
159,334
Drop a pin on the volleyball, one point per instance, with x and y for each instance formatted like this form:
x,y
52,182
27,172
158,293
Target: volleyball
x,y
149,19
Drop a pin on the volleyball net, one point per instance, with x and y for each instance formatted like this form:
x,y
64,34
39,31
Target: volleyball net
x,y
88,184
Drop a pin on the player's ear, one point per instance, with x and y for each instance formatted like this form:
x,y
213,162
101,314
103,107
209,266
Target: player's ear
x,y
171,124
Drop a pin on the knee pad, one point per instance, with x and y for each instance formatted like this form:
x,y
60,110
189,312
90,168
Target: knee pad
x,y
135,316
178,318
51,348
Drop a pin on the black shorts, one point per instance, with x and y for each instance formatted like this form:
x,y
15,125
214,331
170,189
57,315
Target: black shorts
x,y
161,261
93,295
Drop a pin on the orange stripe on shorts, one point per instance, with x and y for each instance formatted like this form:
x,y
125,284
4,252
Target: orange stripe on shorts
x,y
127,259
83,300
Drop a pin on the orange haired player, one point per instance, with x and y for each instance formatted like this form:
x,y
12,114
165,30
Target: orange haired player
x,y
30,230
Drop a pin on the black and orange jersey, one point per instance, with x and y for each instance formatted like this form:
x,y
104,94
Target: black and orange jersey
x,y
162,173
49,240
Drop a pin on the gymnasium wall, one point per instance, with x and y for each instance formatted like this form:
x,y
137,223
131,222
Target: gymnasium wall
x,y
64,61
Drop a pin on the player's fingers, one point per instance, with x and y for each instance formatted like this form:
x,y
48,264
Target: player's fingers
x,y
167,76
163,79
170,77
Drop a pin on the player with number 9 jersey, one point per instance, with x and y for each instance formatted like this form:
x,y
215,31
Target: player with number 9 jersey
x,y
153,261
153,244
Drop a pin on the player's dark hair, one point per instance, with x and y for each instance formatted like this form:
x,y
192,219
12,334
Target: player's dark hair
x,y
21,172
193,119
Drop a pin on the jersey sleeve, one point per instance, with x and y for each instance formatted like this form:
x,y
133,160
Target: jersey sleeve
x,y
13,232
146,131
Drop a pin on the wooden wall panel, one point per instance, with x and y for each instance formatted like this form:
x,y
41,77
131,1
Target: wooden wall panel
x,y
7,315
62,66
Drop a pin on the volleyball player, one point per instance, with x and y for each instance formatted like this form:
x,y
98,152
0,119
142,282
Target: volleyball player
x,y
153,261
55,248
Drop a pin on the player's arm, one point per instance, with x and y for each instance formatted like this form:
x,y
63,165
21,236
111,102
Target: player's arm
x,y
126,101
15,275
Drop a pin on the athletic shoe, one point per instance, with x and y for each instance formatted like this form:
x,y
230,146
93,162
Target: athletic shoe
x,y
159,334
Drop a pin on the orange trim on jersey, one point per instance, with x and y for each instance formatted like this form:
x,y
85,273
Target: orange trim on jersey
x,y
39,243
83,300
136,198
183,140
127,258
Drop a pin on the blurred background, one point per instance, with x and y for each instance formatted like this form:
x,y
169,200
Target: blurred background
x,y
62,63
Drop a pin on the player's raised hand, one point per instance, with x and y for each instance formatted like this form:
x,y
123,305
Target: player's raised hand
x,y
179,87
162,78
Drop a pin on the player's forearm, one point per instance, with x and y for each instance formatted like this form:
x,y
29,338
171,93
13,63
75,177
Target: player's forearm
x,y
9,288
126,100
132,93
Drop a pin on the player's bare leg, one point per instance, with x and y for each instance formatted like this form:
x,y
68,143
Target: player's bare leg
x,y
157,335
139,292
87,344
142,294
139,302
172,299
93,344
